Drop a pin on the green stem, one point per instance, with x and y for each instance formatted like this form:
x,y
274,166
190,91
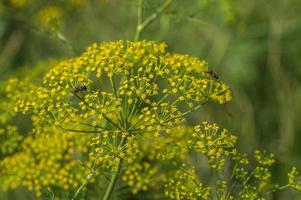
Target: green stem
x,y
278,189
63,39
89,176
193,109
83,185
283,187
108,119
142,25
112,183
139,19
113,85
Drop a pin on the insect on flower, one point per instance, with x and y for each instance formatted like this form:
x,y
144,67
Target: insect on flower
x,y
79,89
212,73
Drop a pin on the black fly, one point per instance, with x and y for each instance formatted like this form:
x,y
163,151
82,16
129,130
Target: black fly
x,y
79,89
212,73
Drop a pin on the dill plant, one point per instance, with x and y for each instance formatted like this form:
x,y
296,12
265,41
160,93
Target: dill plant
x,y
28,158
113,120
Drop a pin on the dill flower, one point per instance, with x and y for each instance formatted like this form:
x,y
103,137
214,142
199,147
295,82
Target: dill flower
x,y
294,179
10,136
40,158
264,158
139,176
216,144
184,184
120,91
121,106
44,164
9,139
167,148
133,100
49,17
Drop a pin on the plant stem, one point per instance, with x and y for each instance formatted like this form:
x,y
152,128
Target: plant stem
x,y
83,185
142,25
112,182
139,19
108,119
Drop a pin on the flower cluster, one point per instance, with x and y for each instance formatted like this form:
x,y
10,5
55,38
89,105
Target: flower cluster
x,y
264,158
216,144
167,147
50,17
44,164
9,139
42,157
133,101
294,179
255,182
10,136
219,147
112,147
140,176
75,93
120,108
120,92
184,184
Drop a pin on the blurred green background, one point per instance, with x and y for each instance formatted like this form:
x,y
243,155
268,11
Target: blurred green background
x,y
254,46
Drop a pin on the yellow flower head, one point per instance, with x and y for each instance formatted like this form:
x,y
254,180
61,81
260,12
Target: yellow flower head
x,y
49,17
